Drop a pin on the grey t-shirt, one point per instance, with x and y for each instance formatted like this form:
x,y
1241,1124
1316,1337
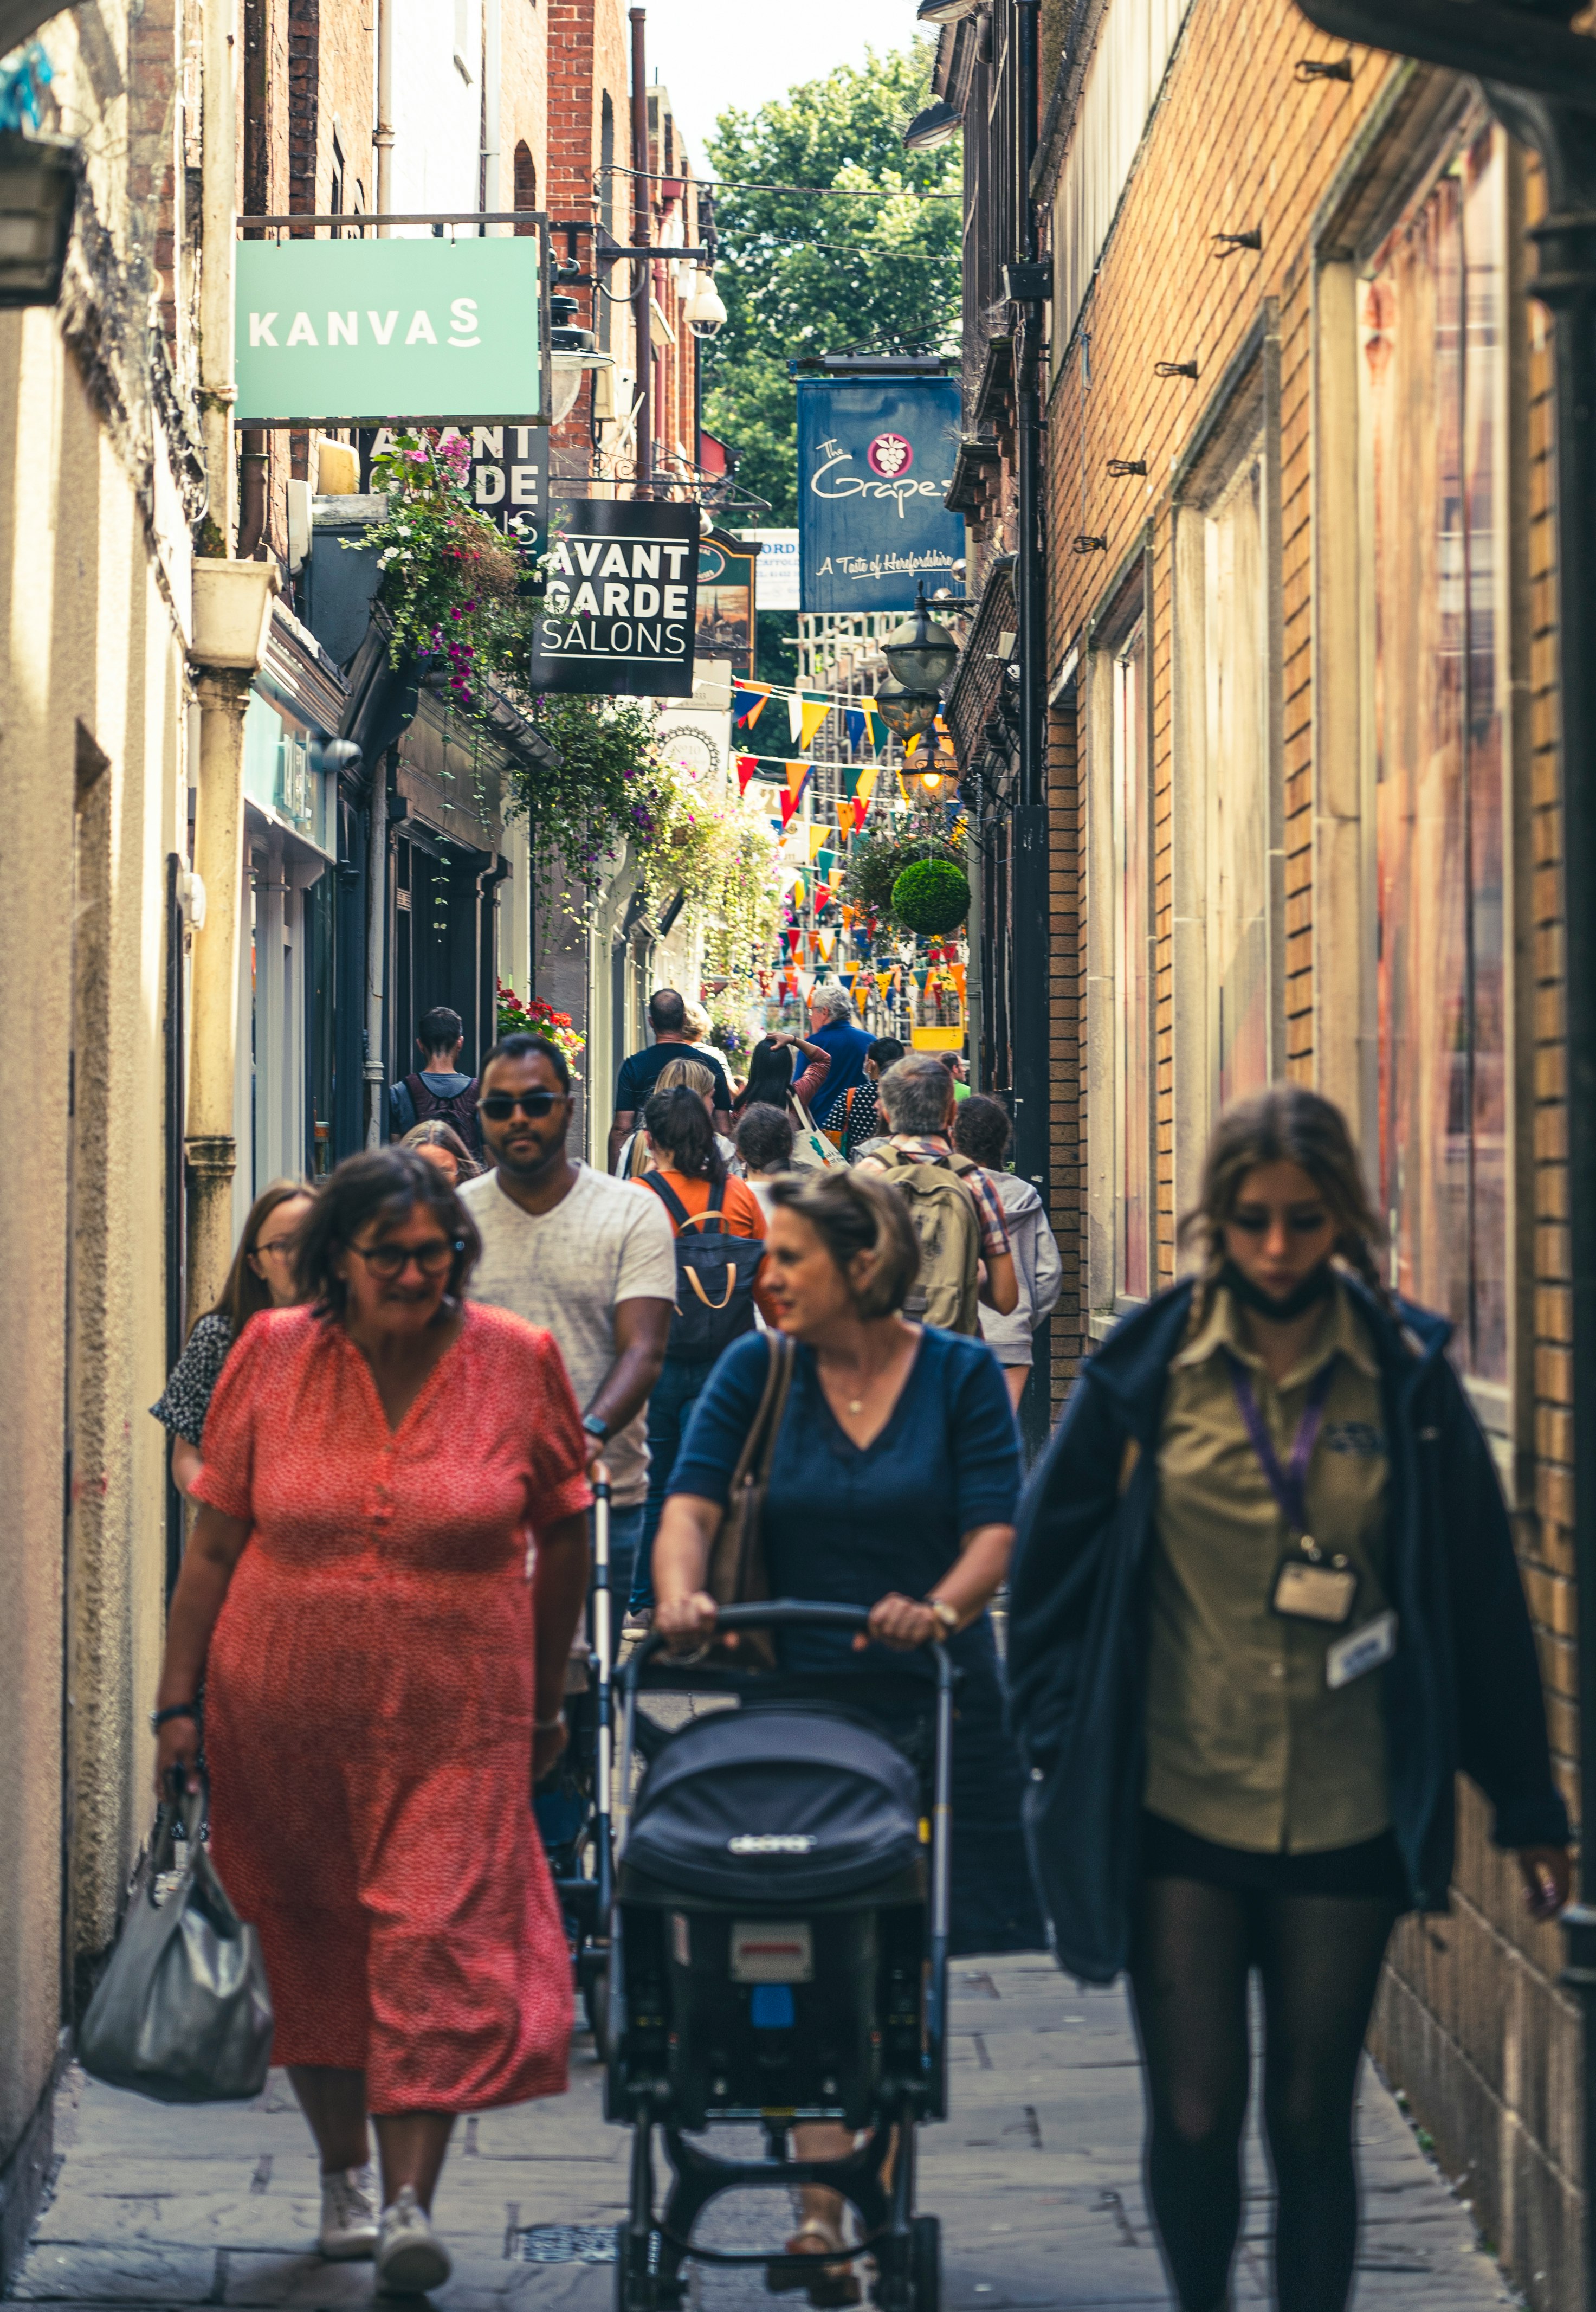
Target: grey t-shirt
x,y
566,1270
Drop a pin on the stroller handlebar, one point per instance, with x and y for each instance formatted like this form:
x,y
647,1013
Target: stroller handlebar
x,y
780,1613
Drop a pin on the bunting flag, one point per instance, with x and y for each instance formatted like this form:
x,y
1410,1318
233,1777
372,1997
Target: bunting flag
x,y
864,725
804,981
746,766
800,891
957,973
848,916
798,778
883,980
921,977
824,860
862,992
818,838
834,877
825,941
793,938
748,701
845,819
805,717
789,803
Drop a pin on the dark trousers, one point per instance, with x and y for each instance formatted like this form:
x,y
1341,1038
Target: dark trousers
x,y
674,1395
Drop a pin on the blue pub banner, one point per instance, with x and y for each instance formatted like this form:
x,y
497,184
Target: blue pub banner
x,y
874,458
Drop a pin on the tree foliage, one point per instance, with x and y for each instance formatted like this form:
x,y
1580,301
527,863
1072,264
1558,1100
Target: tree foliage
x,y
802,275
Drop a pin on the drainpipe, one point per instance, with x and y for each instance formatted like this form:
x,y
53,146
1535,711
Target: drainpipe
x,y
219,218
253,457
492,55
641,237
1029,835
375,948
232,611
383,136
1539,81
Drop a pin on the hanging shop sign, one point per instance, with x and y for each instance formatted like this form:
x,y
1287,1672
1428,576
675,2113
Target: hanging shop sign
x,y
874,459
509,474
342,330
724,628
620,608
778,567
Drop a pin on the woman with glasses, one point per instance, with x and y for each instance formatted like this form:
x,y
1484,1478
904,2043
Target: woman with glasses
x,y
383,1680
261,1277
1265,1608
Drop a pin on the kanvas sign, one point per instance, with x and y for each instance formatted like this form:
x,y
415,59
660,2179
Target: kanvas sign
x,y
343,330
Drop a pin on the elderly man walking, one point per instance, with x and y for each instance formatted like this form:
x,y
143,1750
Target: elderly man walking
x,y
845,1043
964,1252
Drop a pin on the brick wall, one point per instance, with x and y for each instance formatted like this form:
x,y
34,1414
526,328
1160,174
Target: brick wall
x,y
1470,2021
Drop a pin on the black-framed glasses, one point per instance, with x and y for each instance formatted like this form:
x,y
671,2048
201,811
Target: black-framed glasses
x,y
389,1261
498,1107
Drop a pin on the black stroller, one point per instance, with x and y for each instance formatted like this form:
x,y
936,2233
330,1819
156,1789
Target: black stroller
x,y
779,1953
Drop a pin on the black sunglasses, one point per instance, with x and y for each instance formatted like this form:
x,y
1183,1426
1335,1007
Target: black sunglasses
x,y
498,1107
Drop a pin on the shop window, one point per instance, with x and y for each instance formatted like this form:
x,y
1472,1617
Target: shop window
x,y
1130,813
1222,623
1433,312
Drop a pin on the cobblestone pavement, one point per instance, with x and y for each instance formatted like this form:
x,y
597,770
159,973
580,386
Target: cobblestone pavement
x,y
1035,2177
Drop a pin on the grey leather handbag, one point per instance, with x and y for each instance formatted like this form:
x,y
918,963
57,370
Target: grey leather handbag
x,y
182,2012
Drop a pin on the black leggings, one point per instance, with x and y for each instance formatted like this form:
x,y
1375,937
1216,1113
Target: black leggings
x,y
1318,1956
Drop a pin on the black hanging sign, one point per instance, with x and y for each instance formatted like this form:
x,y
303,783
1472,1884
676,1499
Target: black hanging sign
x,y
622,583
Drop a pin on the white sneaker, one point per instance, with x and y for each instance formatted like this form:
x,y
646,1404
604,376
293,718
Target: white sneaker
x,y
410,2257
348,2232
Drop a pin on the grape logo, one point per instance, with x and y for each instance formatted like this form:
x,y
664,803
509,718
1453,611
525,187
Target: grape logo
x,y
890,455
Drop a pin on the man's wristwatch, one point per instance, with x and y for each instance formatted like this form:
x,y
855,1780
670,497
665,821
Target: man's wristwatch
x,y
595,1428
947,1617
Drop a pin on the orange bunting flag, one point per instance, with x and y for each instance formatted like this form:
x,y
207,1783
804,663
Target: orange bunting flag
x,y
848,815
956,971
861,991
834,878
798,778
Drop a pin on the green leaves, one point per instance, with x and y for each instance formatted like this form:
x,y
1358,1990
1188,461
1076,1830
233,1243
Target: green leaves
x,y
931,897
802,274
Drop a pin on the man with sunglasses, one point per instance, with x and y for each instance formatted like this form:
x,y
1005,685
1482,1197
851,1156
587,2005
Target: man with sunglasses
x,y
589,1258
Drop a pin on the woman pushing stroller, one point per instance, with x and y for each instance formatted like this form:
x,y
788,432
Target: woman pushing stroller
x,y
892,1486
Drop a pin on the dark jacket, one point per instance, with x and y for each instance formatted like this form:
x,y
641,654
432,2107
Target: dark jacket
x,y
1462,1692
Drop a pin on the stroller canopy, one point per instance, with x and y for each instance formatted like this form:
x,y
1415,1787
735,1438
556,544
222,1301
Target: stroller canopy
x,y
775,1805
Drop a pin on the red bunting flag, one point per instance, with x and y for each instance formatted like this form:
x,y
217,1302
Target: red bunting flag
x,y
746,766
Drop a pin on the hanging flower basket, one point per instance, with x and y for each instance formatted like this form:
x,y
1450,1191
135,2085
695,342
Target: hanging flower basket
x,y
931,898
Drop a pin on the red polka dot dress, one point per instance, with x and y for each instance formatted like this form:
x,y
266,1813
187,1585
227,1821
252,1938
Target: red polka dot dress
x,y
369,1704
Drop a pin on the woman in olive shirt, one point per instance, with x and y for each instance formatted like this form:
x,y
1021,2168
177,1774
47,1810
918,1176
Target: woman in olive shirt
x,y
1265,1606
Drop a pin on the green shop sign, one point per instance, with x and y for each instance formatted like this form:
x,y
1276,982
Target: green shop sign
x,y
344,330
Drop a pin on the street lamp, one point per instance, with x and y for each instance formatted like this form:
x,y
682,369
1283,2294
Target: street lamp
x,y
39,182
704,313
922,655
907,713
939,124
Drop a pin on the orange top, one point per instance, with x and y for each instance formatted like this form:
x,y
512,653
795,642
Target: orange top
x,y
740,1214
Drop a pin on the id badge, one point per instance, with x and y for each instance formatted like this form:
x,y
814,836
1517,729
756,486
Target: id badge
x,y
1361,1651
1314,1590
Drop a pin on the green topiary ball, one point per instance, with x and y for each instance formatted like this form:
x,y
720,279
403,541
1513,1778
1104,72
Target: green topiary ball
x,y
932,896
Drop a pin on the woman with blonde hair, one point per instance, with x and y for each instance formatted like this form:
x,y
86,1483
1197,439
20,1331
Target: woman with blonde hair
x,y
442,1145
262,1277
1265,1608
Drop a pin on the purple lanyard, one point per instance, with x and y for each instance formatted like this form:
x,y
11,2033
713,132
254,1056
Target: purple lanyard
x,y
1287,1484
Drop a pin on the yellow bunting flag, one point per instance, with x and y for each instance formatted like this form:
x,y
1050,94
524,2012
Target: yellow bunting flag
x,y
825,941
813,712
883,980
819,836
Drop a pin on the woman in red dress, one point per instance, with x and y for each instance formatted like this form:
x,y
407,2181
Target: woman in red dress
x,y
383,1684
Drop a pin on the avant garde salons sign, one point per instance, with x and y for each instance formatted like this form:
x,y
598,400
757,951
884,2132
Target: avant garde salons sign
x,y
343,330
619,614
874,457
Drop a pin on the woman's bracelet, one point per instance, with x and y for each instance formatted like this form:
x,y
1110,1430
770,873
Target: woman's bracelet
x,y
159,1718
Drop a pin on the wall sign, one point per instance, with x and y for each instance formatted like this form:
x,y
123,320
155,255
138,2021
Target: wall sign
x,y
875,459
620,608
340,330
778,567
726,593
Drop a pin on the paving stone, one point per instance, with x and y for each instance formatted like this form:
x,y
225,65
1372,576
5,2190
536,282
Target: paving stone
x,y
1037,2178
